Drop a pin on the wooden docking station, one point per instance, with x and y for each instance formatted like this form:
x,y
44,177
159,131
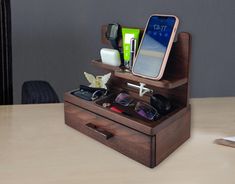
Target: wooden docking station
x,y
147,142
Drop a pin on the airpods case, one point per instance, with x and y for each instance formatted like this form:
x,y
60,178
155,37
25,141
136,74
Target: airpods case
x,y
110,57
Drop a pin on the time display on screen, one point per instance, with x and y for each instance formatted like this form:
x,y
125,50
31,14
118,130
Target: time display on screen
x,y
157,27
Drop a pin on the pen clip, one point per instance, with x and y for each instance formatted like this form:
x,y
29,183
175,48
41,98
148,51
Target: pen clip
x,y
132,52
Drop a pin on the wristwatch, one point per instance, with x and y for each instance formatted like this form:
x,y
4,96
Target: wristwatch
x,y
112,34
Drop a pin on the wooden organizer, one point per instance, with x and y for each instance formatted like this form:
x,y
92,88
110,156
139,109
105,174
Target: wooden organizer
x,y
148,142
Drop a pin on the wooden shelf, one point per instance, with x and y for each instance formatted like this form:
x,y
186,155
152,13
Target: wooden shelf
x,y
99,64
168,82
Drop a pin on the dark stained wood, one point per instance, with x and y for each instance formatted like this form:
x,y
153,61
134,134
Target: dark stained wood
x,y
172,136
99,64
103,37
148,142
225,142
153,152
168,82
145,126
178,62
149,150
129,142
102,132
93,107
178,66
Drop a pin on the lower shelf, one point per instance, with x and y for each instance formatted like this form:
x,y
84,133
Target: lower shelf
x,y
145,126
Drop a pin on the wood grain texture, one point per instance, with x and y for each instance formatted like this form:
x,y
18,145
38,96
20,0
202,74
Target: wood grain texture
x,y
129,142
98,63
163,140
179,66
172,136
225,143
168,82
98,109
179,59
145,126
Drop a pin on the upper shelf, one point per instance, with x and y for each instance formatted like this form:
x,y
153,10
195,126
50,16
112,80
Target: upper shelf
x,y
99,64
167,81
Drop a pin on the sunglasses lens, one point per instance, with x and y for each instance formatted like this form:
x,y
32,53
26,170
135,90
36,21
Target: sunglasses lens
x,y
123,99
146,110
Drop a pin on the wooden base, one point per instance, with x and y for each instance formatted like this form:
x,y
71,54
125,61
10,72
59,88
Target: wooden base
x,y
147,147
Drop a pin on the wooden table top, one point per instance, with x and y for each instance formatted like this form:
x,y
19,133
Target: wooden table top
x,y
37,147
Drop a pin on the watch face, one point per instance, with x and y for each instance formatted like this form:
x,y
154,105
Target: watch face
x,y
112,32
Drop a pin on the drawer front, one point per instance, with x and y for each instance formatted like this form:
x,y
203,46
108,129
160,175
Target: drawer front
x,y
129,142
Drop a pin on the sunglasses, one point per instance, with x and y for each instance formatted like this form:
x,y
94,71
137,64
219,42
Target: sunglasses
x,y
143,109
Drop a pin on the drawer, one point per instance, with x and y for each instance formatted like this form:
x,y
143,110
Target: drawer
x,y
134,144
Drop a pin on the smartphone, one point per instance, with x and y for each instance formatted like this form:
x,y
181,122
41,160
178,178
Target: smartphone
x,y
155,46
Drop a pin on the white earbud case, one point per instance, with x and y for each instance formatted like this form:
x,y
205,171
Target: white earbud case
x,y
110,57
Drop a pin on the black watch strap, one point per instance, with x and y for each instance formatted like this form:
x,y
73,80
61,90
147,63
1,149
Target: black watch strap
x,y
113,34
114,44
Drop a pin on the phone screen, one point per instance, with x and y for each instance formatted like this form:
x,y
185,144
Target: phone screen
x,y
154,46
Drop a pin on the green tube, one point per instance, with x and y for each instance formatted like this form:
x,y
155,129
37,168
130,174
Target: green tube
x,y
127,35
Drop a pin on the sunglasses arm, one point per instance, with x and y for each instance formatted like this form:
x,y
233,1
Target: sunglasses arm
x,y
142,89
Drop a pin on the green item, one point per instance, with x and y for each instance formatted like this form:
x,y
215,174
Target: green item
x,y
127,35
